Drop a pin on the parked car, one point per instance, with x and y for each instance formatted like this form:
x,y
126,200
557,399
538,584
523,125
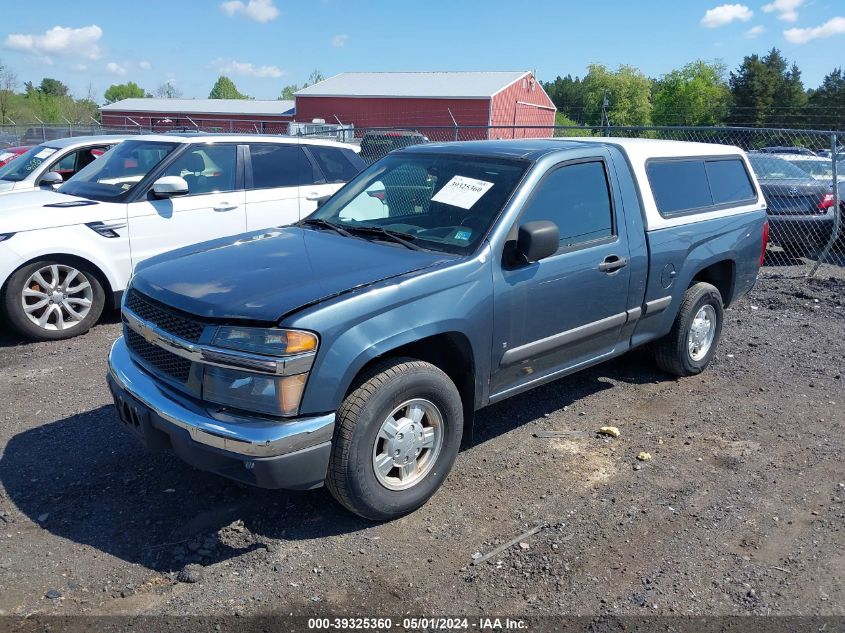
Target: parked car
x,y
816,168
66,254
787,149
9,154
376,144
356,353
800,208
52,163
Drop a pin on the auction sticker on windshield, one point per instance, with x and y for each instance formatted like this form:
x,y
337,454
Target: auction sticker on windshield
x,y
462,192
44,153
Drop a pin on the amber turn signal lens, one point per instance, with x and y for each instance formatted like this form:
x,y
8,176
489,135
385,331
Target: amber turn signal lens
x,y
299,342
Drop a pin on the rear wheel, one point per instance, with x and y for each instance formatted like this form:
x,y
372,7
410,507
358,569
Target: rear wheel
x,y
396,439
691,344
49,300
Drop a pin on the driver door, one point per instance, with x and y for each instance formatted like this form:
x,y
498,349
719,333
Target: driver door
x,y
214,206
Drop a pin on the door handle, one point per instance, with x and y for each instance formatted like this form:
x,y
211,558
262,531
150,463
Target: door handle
x,y
225,206
313,196
612,263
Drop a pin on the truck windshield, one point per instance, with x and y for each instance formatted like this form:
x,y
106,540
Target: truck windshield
x,y
118,171
26,163
438,201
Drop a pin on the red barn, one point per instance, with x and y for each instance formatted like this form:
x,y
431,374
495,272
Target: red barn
x,y
433,103
222,115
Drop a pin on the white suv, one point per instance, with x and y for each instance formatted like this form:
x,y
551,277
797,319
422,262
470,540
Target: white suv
x,y
53,162
66,254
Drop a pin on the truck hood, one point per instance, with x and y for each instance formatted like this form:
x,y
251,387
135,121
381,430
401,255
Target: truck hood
x,y
43,208
264,275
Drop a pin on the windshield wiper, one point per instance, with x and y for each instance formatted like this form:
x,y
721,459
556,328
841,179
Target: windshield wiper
x,y
396,236
325,224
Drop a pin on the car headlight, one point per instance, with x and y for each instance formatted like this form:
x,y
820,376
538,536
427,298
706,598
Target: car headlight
x,y
260,390
261,393
5,236
265,341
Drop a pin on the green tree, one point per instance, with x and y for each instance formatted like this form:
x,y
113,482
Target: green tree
x,y
628,93
767,91
696,94
568,95
571,127
53,87
288,92
129,90
826,108
224,88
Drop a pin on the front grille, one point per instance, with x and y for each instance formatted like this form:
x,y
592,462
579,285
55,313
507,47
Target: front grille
x,y
165,318
166,362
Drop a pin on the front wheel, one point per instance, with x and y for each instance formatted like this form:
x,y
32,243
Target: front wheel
x,y
49,300
396,439
691,344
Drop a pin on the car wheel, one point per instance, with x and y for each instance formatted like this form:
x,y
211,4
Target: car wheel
x,y
691,344
50,300
396,437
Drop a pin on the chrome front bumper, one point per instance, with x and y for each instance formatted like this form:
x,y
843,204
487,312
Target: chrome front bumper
x,y
241,437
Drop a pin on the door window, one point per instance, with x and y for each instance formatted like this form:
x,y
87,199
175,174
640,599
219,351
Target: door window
x,y
279,166
207,169
334,162
576,198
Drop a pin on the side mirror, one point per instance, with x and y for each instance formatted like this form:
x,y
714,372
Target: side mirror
x,y
52,179
537,240
170,187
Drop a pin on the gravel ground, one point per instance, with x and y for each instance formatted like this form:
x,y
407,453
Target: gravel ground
x,y
739,511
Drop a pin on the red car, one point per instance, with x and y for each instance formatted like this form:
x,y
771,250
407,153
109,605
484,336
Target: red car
x,y
8,154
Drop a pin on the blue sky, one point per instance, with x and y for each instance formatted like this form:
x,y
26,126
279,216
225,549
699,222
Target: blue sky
x,y
264,44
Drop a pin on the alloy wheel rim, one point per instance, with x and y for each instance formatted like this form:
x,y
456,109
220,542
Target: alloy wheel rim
x,y
702,332
57,297
407,444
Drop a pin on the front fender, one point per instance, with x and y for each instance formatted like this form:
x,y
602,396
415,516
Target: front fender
x,y
361,326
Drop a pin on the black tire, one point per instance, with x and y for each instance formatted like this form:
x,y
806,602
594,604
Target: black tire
x,y
351,476
672,351
18,319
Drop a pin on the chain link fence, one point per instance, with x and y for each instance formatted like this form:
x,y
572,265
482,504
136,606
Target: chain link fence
x,y
801,172
797,170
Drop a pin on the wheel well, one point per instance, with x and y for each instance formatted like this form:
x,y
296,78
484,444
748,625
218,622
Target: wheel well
x,y
452,353
77,261
722,275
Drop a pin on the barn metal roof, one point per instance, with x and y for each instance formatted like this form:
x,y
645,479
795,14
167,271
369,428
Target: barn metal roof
x,y
419,85
203,106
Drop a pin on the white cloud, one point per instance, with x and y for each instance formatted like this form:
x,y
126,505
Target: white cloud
x,y
60,40
754,31
834,26
116,69
725,14
233,67
787,10
258,10
339,41
144,65
79,68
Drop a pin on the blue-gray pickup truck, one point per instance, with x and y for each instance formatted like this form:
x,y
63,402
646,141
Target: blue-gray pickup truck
x,y
356,348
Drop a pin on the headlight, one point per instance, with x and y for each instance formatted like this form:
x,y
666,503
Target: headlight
x,y
272,395
5,236
276,393
268,342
